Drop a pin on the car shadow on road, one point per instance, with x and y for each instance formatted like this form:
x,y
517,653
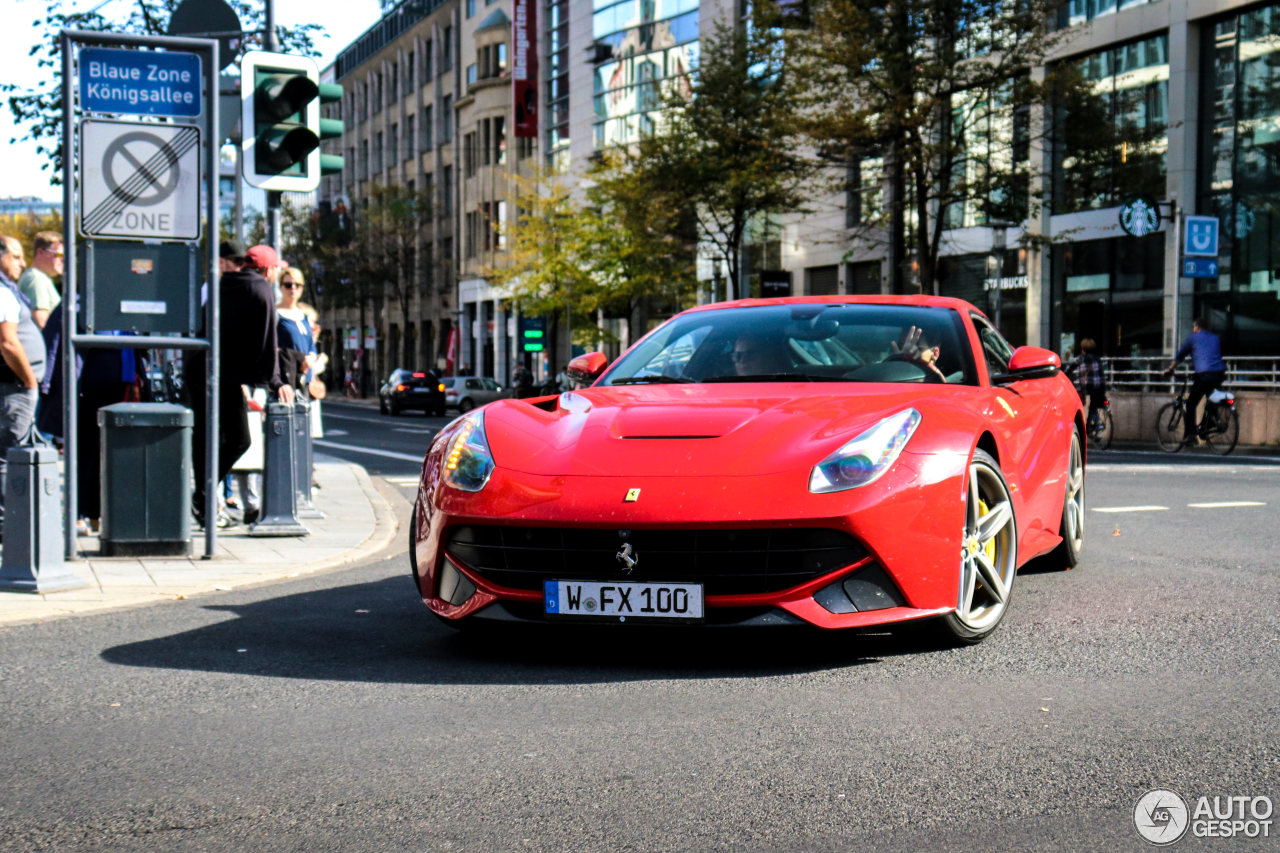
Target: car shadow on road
x,y
379,632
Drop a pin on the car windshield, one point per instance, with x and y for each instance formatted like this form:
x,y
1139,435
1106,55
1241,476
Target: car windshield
x,y
803,342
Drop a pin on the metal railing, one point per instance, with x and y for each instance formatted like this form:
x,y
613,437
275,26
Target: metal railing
x,y
1146,373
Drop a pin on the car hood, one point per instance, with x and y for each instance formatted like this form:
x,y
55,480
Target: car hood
x,y
699,430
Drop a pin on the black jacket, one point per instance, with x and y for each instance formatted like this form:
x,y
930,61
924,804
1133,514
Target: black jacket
x,y
248,334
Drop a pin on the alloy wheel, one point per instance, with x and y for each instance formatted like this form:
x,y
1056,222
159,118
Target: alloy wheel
x,y
988,553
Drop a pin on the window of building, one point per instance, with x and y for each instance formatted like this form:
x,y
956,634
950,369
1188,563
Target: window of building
x,y
1239,180
394,79
468,154
446,50
1075,12
472,74
428,61
446,191
864,191
471,8
446,119
862,277
1112,134
377,153
485,144
426,128
410,80
410,137
822,281
375,92
393,148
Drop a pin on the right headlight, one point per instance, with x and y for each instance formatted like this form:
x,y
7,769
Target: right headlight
x,y
468,462
868,456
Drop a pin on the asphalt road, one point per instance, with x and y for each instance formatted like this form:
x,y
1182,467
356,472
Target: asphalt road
x,y
333,713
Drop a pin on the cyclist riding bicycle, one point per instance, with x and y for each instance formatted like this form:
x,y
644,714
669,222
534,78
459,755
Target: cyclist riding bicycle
x,y
1091,382
1209,371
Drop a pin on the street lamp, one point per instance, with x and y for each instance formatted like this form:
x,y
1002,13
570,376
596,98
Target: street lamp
x,y
999,236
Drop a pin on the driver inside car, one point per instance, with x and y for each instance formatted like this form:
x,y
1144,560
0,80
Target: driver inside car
x,y
915,347
757,354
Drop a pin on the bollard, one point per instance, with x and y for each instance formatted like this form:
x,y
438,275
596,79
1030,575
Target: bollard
x,y
33,558
303,470
279,492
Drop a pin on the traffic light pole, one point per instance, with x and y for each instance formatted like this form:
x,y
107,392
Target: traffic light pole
x,y
270,43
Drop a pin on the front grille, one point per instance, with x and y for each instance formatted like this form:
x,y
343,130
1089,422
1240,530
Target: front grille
x,y
726,562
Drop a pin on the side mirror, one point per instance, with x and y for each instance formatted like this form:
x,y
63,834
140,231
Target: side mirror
x,y
586,369
1029,363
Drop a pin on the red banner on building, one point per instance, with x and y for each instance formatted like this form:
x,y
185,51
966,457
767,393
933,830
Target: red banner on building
x,y
524,67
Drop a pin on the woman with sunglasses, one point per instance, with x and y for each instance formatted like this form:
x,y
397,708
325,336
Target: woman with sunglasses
x,y
293,331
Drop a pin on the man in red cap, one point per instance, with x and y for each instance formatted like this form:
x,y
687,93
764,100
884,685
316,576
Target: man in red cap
x,y
247,317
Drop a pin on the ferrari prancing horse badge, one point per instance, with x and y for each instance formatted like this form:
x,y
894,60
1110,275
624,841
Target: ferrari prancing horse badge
x,y
633,495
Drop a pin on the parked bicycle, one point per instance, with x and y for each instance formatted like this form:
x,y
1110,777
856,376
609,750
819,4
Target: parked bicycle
x,y
1100,427
1219,425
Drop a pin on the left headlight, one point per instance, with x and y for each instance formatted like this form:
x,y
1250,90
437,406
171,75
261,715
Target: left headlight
x,y
864,459
468,463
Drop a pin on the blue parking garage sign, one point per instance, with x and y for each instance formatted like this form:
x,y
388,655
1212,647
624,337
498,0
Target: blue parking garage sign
x,y
1201,237
1200,267
140,82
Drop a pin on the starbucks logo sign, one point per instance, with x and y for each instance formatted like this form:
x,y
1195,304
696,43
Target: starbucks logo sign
x,y
1140,216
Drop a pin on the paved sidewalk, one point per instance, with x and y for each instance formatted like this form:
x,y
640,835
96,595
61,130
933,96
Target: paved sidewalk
x,y
358,522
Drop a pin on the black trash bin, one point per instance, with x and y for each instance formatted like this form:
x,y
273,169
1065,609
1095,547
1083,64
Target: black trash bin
x,y
146,479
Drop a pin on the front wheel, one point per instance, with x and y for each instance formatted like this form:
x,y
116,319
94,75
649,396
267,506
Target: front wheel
x,y
1072,529
1224,430
988,562
1169,427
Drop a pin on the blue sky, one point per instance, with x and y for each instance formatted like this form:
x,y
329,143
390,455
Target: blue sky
x,y
22,175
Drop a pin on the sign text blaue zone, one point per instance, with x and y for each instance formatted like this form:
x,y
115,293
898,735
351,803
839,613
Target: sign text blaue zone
x,y
140,82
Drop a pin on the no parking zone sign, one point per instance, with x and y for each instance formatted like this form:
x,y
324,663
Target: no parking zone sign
x,y
140,181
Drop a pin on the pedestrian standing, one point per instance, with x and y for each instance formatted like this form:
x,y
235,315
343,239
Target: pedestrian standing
x,y
1090,379
22,359
36,282
522,379
1208,371
247,356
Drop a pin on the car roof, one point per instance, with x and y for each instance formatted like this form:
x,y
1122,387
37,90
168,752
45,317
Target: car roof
x,y
917,300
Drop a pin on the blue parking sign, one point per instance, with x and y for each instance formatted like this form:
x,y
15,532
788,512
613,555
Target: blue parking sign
x,y
1201,237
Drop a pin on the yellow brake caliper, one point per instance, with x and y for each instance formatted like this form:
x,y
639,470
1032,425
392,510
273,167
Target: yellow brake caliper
x,y
990,548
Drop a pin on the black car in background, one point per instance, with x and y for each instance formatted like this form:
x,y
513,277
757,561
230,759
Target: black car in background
x,y
411,389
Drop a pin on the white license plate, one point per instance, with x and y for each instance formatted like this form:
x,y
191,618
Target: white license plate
x,y
422,390
624,600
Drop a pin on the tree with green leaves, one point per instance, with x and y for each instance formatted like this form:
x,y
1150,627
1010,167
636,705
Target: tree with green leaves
x,y
728,141
546,268
382,257
641,240
942,91
39,109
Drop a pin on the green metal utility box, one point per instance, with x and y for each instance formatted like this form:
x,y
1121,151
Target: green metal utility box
x,y
146,479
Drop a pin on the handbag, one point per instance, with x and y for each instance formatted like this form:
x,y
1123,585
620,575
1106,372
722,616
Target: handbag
x,y
316,389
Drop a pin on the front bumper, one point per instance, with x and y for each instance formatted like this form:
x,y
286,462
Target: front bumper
x,y
907,526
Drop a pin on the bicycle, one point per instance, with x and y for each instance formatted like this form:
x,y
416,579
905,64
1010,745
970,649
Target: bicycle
x,y
1100,427
1219,425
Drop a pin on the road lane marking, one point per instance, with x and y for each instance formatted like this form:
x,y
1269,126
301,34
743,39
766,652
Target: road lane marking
x,y
335,432
390,454
402,481
1129,508
1226,504
417,431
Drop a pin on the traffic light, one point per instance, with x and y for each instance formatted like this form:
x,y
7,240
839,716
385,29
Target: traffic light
x,y
280,121
330,128
533,334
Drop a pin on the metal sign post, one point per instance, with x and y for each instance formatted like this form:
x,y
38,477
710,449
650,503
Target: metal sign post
x,y
127,182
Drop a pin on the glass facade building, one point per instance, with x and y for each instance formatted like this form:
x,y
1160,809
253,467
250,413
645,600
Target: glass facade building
x,y
1239,176
639,48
